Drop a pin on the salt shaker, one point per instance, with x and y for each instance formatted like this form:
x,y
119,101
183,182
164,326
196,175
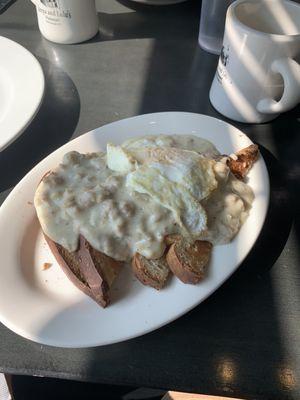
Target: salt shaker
x,y
212,23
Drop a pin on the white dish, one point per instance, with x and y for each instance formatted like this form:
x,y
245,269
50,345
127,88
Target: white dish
x,y
45,307
21,90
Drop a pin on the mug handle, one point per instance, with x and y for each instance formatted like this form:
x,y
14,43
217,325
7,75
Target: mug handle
x,y
289,69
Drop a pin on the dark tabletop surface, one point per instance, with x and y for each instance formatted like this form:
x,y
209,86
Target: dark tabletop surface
x,y
242,341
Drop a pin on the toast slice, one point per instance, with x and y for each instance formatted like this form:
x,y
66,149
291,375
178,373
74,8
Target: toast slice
x,y
90,270
152,273
244,161
188,261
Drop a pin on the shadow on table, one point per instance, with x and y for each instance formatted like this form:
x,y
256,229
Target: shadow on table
x,y
177,66
143,7
175,56
37,388
285,131
148,21
53,126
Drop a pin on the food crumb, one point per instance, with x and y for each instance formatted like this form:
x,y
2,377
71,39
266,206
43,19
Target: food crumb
x,y
46,266
30,203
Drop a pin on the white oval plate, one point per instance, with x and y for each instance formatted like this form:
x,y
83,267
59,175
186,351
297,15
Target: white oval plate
x,y
45,307
21,90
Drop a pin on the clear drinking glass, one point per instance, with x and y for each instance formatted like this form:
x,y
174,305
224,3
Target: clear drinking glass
x,y
212,23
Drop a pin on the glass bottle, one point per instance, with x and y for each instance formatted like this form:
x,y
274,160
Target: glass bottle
x,y
212,23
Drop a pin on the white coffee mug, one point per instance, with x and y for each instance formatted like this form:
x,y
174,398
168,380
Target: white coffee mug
x,y
258,76
67,21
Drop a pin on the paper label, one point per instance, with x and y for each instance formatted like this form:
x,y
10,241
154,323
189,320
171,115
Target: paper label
x,y
53,11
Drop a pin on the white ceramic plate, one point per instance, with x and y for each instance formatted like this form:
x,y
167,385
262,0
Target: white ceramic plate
x,y
45,307
21,90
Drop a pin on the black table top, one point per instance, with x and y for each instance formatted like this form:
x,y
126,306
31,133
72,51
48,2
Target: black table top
x,y
243,340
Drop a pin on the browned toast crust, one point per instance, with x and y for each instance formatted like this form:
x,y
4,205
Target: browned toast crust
x,y
84,271
188,261
244,162
143,273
